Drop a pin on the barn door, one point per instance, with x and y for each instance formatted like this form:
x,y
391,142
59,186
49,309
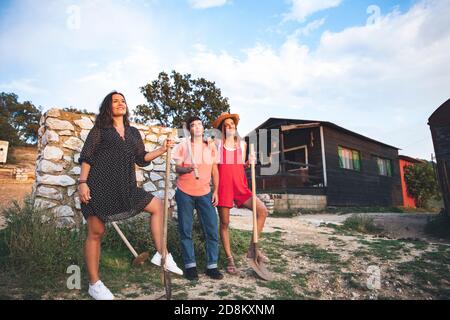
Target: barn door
x,y
445,183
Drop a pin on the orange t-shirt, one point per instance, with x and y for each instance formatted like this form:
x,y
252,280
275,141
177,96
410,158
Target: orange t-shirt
x,y
205,156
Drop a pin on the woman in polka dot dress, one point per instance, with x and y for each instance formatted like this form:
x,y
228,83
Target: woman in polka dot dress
x,y
107,185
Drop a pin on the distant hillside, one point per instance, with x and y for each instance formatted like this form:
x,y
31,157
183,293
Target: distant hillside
x,y
23,156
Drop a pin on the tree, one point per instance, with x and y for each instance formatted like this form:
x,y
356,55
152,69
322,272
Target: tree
x,y
421,183
171,100
19,122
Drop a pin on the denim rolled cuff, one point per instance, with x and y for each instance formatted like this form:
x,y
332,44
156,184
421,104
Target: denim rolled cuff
x,y
190,265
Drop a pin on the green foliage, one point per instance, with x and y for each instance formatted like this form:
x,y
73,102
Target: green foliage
x,y
421,183
35,255
361,223
19,121
172,99
430,272
137,231
36,251
385,249
317,254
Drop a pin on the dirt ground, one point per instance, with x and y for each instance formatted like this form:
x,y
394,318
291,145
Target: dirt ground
x,y
312,258
310,261
10,192
311,276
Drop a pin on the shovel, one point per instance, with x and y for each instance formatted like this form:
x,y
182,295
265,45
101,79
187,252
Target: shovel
x,y
252,259
164,272
139,259
189,147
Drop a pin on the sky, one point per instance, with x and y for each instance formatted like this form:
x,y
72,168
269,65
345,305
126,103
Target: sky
x,y
377,67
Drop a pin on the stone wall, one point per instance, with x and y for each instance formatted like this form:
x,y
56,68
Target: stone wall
x,y
61,138
13,173
289,202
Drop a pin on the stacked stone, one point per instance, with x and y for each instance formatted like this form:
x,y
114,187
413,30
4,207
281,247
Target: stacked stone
x,y
289,202
61,139
268,201
21,174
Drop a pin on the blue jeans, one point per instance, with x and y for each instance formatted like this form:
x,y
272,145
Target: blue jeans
x,y
209,223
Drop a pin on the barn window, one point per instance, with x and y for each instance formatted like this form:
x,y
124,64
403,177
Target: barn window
x,y
298,155
349,159
384,167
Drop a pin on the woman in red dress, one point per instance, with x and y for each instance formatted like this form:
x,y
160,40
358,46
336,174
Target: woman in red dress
x,y
233,186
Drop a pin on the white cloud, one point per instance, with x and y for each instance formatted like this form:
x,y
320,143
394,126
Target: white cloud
x,y
380,80
124,42
27,86
309,28
301,9
204,4
33,32
125,75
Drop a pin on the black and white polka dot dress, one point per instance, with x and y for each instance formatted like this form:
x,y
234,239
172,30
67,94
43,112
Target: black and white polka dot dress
x,y
112,178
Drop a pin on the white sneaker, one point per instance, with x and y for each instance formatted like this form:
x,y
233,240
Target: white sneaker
x,y
170,263
99,291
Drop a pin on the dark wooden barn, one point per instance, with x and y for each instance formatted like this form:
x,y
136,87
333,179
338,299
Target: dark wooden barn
x,y
322,158
439,123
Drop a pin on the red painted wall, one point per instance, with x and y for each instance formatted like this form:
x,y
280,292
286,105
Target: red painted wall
x,y
408,201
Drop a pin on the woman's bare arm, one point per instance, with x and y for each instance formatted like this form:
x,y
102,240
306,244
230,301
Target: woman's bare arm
x,y
149,156
84,192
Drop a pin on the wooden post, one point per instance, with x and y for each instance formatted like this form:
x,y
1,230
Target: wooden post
x,y
324,161
283,158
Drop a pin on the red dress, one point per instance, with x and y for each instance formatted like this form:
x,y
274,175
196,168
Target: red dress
x,y
233,185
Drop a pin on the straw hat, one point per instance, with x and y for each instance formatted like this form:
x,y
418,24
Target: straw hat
x,y
224,116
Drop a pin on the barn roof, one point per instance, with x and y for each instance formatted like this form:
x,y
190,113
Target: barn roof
x,y
410,159
441,116
278,122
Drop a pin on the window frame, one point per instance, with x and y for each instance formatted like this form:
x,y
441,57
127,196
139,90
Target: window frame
x,y
355,168
389,167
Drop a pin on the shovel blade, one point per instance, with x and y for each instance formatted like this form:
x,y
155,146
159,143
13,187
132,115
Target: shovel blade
x,y
260,269
140,259
258,266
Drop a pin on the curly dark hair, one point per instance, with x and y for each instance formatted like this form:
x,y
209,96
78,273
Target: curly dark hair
x,y
105,118
192,119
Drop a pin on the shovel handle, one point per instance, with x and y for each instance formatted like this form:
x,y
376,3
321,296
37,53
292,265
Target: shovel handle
x,y
191,154
165,273
127,243
252,165
166,204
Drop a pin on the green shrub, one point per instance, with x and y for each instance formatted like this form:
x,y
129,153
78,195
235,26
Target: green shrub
x,y
421,183
36,251
361,223
137,231
34,255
